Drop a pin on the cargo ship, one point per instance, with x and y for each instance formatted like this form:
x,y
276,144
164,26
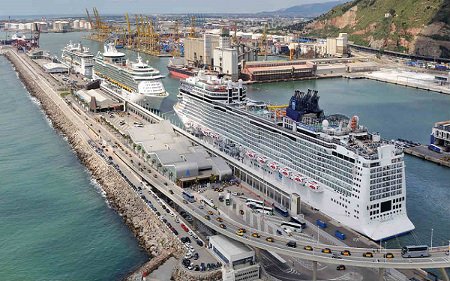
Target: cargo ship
x,y
332,163
178,69
137,81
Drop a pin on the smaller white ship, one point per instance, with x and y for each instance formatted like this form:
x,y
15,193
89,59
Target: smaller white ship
x,y
137,82
78,58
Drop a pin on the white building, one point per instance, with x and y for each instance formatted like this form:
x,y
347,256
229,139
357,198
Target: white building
x,y
55,68
338,46
225,57
238,260
76,24
82,23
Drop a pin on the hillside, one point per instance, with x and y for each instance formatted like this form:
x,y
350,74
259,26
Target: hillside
x,y
413,26
305,10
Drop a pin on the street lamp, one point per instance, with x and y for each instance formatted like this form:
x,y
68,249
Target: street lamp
x,y
431,242
318,235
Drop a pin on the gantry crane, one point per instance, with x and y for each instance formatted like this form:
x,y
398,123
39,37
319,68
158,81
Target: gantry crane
x,y
263,43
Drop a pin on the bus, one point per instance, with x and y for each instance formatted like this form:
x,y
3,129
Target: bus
x,y
188,197
281,210
228,199
258,202
415,251
207,201
263,209
292,226
300,221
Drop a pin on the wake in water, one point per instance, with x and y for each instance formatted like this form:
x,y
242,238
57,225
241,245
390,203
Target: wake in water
x,y
98,188
36,102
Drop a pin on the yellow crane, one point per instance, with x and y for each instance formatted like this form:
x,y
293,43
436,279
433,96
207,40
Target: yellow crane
x,y
137,37
129,36
192,29
263,43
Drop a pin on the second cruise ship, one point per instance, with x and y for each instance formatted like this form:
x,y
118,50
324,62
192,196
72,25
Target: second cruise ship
x,y
78,58
137,82
332,162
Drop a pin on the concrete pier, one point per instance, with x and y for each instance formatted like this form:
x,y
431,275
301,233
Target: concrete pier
x,y
423,152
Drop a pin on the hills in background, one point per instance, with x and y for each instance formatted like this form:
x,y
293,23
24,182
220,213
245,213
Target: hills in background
x,y
306,10
412,26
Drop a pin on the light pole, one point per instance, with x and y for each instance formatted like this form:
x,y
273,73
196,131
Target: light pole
x,y
318,235
431,242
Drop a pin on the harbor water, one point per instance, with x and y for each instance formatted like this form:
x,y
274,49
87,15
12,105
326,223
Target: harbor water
x,y
393,111
54,222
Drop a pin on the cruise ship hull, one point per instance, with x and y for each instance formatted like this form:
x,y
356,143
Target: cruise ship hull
x,y
146,101
324,199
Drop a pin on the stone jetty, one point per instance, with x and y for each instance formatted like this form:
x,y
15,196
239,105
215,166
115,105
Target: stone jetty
x,y
153,235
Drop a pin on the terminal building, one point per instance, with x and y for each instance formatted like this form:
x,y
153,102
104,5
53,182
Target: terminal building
x,y
238,259
95,101
278,70
175,156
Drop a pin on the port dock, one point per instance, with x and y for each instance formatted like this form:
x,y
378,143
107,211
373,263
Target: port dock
x,y
423,152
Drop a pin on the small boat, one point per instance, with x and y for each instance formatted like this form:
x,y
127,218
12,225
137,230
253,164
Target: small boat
x,y
262,160
285,172
273,166
298,178
250,154
314,186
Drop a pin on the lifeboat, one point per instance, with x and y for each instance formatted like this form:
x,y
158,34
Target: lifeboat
x,y
250,154
314,186
285,172
262,159
273,166
297,178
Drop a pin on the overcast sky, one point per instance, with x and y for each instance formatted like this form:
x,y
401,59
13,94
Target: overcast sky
x,y
56,7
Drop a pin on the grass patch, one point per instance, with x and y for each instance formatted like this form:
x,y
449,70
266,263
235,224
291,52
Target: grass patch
x,y
64,94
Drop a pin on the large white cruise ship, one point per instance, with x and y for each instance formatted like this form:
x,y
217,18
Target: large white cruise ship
x,y
137,82
332,162
78,58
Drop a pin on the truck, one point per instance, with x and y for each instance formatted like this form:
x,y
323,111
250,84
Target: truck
x,y
321,223
435,148
339,235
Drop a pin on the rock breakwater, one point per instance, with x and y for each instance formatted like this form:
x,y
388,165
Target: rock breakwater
x,y
153,235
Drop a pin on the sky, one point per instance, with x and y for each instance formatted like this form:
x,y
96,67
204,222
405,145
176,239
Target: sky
x,y
74,7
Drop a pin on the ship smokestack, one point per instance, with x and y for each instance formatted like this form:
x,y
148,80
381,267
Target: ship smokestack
x,y
230,92
241,90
